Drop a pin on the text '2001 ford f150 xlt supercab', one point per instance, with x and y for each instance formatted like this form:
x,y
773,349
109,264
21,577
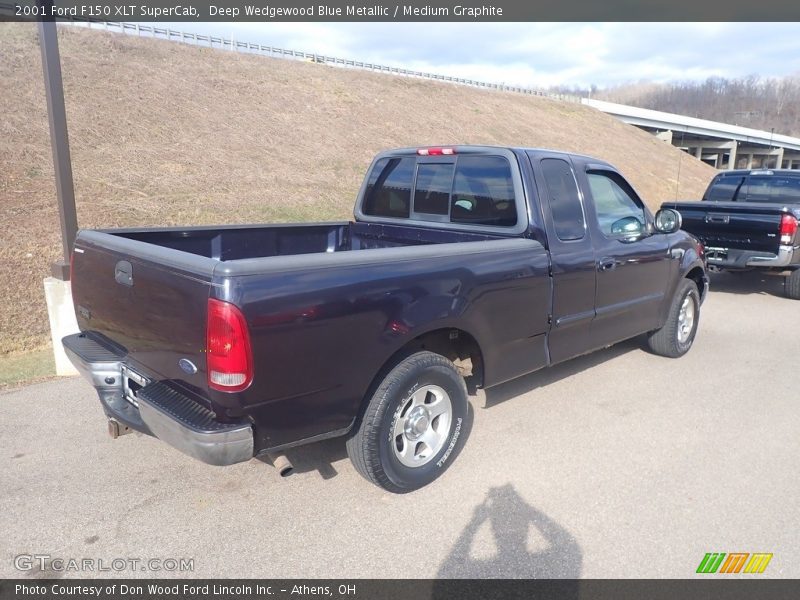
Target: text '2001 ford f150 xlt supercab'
x,y
466,266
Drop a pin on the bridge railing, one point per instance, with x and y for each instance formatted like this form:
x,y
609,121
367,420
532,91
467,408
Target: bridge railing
x,y
212,41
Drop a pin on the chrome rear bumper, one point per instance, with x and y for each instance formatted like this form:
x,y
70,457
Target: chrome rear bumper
x,y
160,410
733,258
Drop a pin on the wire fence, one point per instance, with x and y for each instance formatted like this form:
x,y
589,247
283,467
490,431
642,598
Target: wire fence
x,y
211,41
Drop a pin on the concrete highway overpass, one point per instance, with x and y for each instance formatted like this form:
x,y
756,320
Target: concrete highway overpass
x,y
722,145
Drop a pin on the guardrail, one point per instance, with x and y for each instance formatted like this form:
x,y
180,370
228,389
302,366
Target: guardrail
x,y
272,51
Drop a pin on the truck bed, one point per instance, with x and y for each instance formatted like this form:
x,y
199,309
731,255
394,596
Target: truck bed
x,y
310,304
237,242
736,225
740,235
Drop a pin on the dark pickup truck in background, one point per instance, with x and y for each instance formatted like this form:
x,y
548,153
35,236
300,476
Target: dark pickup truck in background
x,y
748,220
465,267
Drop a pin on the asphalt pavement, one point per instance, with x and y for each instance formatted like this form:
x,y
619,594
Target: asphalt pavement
x,y
617,464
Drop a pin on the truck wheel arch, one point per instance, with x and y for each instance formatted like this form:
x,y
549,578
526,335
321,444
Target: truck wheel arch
x,y
698,276
453,343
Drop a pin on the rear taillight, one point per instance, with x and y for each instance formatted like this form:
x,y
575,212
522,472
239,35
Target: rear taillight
x,y
229,359
788,228
436,151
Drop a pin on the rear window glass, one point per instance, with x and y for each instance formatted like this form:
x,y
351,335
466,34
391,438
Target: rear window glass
x,y
773,188
470,190
432,192
388,191
483,192
724,189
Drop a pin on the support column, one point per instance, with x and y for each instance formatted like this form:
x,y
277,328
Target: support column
x,y
779,158
749,161
58,294
698,153
59,141
665,136
58,289
732,155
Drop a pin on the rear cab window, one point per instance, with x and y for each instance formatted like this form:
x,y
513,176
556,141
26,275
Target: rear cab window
x,y
773,188
461,189
388,192
724,188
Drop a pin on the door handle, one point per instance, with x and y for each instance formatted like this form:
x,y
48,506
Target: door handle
x,y
607,264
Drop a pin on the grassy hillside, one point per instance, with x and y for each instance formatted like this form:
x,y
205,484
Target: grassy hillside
x,y
166,134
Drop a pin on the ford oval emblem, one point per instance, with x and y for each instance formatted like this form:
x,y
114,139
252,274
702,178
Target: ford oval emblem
x,y
188,366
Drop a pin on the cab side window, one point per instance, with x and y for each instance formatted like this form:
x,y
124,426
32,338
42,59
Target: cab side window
x,y
619,210
565,201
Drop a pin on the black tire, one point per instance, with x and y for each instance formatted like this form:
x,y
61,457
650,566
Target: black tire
x,y
792,285
372,448
667,341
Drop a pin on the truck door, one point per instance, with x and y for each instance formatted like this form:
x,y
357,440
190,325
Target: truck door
x,y
632,263
572,256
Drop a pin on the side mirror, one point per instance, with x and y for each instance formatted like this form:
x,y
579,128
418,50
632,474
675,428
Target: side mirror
x,y
667,220
627,226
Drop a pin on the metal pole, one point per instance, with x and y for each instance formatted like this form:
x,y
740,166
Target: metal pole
x,y
59,141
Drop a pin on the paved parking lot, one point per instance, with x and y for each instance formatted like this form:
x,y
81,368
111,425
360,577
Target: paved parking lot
x,y
618,464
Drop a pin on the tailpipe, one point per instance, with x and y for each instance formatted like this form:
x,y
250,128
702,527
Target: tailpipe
x,y
282,464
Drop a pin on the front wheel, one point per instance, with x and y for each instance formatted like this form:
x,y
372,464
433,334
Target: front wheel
x,y
677,335
413,425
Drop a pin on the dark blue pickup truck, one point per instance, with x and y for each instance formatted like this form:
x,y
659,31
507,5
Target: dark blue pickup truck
x,y
465,267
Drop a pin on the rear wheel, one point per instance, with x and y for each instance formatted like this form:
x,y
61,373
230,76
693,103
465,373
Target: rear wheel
x,y
413,424
792,285
677,335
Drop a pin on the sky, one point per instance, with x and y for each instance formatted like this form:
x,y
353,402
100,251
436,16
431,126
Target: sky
x,y
543,54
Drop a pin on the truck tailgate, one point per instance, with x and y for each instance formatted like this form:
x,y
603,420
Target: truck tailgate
x,y
736,225
149,301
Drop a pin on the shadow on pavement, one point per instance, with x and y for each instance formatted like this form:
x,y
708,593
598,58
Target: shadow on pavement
x,y
320,456
543,377
556,554
747,282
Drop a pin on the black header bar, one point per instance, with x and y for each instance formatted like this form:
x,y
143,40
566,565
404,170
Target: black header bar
x,y
712,588
407,11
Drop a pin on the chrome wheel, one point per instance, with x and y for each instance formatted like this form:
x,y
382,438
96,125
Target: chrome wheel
x,y
686,319
422,426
